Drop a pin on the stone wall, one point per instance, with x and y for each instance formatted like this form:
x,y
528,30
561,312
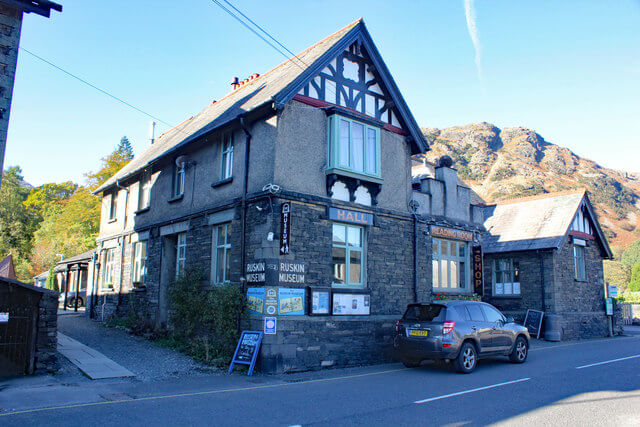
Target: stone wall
x,y
47,334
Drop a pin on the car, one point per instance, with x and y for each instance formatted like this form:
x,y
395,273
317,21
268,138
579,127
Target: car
x,y
460,332
71,298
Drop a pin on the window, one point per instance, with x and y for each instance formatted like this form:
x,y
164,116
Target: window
x,y
139,269
450,265
347,254
144,192
113,206
462,312
475,312
492,315
181,253
506,277
354,146
108,273
426,313
578,255
226,169
222,258
178,181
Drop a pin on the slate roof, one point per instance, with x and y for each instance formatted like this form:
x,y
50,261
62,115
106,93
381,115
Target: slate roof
x,y
274,87
85,256
539,222
6,268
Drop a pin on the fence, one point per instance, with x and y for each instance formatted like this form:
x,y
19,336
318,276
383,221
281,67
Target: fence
x,y
630,312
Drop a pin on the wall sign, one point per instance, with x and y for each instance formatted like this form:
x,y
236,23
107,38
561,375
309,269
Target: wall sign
x,y
346,304
271,301
291,272
255,300
255,272
608,306
533,322
319,301
476,262
285,228
354,217
612,290
451,233
291,301
270,325
4,317
247,350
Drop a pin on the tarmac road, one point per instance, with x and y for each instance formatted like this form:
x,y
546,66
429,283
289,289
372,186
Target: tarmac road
x,y
595,382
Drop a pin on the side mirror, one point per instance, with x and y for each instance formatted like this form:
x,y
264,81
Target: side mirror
x,y
510,320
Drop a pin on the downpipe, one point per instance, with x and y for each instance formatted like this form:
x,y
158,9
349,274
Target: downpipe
x,y
243,207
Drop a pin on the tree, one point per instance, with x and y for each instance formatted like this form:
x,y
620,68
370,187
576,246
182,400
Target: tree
x,y
111,164
631,256
52,282
616,274
634,284
44,197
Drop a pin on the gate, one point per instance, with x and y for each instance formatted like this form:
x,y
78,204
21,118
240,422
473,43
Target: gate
x,y
18,334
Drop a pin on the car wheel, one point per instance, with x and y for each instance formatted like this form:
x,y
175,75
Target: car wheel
x,y
70,303
411,363
467,359
520,351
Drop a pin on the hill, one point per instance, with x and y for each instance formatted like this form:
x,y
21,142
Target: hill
x,y
507,163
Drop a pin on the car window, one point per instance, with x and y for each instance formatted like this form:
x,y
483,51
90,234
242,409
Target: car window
x,y
462,313
475,312
492,314
425,313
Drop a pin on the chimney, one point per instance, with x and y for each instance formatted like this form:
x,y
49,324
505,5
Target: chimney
x,y
449,177
235,83
152,131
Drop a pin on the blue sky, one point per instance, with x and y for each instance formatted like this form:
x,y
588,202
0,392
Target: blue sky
x,y
570,70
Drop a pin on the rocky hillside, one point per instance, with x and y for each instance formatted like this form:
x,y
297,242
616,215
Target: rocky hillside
x,y
513,162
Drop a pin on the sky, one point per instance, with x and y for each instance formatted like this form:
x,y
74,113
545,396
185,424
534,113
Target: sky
x,y
569,70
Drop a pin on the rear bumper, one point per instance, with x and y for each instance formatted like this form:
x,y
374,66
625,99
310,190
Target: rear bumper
x,y
412,348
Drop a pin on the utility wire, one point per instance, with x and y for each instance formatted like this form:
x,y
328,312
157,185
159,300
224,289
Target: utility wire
x,y
95,87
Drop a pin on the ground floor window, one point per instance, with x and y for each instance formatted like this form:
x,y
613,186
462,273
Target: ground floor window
x,y
181,253
221,255
139,268
108,276
578,255
348,255
506,277
450,265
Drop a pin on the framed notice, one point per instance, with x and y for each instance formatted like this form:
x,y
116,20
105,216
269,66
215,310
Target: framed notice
x,y
319,301
291,301
247,350
351,304
255,300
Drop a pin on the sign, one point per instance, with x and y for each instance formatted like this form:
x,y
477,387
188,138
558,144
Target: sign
x,y
270,325
612,291
320,301
451,233
255,300
354,217
291,301
533,322
476,262
285,228
345,304
255,272
608,306
247,350
291,272
4,317
271,301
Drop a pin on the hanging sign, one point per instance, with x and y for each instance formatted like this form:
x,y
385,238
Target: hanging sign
x,y
285,228
247,350
451,233
533,322
355,217
476,262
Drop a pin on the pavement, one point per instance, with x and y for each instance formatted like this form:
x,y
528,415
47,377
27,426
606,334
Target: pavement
x,y
590,382
91,362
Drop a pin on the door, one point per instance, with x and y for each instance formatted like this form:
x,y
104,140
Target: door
x,y
481,327
500,336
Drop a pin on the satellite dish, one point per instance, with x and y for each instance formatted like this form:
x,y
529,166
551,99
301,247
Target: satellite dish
x,y
181,161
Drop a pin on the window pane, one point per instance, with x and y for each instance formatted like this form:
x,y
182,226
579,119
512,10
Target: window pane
x,y
444,274
220,265
355,236
344,143
491,314
339,267
436,273
475,312
143,249
339,234
357,147
454,248
221,235
434,252
462,250
453,270
355,266
516,272
444,248
371,151
462,275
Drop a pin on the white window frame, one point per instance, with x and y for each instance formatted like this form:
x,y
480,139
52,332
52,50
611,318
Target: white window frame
x,y
144,190
344,159
139,264
510,287
181,259
348,247
108,272
442,262
579,262
113,206
226,157
225,247
178,181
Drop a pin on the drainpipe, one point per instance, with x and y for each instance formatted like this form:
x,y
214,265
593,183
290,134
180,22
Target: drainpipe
x,y
541,257
94,282
243,208
415,258
124,227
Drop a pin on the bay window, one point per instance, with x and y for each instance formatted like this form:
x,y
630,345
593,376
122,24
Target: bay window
x,y
354,146
450,265
348,255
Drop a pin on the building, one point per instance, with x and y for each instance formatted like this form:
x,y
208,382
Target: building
x,y
545,253
7,269
11,12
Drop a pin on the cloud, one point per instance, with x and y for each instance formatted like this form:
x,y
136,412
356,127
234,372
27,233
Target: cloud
x,y
470,12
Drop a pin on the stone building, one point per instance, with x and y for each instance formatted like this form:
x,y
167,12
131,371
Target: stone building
x,y
545,253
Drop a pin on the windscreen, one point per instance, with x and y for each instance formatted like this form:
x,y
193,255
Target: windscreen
x,y
425,313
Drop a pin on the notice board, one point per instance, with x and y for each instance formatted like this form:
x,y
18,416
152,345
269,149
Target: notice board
x,y
351,304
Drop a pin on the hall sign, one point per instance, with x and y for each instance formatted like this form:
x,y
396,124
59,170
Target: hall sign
x,y
355,217
476,262
451,233
256,272
291,272
273,272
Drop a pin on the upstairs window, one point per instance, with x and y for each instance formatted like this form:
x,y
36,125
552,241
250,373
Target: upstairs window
x,y
226,168
178,181
113,206
144,193
354,146
506,277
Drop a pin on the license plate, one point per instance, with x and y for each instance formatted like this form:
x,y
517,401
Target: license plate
x,y
418,333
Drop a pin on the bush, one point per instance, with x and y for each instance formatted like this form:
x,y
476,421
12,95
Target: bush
x,y
52,281
634,284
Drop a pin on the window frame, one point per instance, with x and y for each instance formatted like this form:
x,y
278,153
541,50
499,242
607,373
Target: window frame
x,y
139,265
335,160
226,248
512,269
439,257
226,156
580,263
347,261
181,244
108,272
144,188
177,187
113,206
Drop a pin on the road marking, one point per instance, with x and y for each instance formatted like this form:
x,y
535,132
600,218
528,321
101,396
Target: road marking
x,y
471,391
608,361
589,341
199,393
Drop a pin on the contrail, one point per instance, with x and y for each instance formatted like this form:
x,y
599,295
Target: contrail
x,y
470,13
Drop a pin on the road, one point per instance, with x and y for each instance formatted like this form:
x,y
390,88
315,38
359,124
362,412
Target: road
x,y
593,382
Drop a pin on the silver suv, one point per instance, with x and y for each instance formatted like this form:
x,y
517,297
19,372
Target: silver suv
x,y
458,331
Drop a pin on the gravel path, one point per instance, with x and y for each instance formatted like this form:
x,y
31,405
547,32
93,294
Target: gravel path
x,y
142,357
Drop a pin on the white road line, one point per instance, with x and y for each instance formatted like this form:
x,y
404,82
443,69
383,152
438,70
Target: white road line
x,y
471,391
608,361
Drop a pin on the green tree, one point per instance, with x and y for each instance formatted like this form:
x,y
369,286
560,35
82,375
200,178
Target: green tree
x,y
634,284
111,164
42,198
52,282
617,274
631,256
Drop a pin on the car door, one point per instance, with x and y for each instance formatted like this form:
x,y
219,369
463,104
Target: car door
x,y
481,327
500,336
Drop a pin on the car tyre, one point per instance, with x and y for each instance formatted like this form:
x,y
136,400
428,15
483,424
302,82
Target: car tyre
x,y
467,360
411,363
520,351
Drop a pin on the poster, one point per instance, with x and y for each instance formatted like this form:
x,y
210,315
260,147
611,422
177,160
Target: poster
x,y
291,301
255,300
345,304
320,301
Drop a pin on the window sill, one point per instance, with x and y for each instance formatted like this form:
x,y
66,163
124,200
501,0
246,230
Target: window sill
x,y
349,289
176,199
112,220
451,291
581,280
507,296
139,289
141,211
222,182
356,175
